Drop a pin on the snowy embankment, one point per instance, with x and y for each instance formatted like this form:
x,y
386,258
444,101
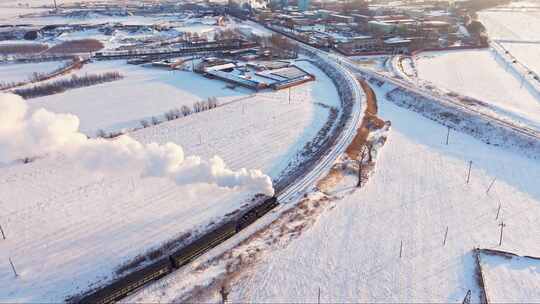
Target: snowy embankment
x,y
467,115
479,75
516,40
528,77
62,218
468,122
418,191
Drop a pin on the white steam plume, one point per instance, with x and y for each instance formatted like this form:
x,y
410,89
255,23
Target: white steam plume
x,y
24,134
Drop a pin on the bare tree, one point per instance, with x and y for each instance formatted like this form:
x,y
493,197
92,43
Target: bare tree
x,y
186,110
145,124
197,106
169,116
101,133
212,102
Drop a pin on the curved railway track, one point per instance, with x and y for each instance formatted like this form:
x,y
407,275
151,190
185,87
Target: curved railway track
x,y
217,236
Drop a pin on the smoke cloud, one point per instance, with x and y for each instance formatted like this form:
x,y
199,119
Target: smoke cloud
x,y
24,134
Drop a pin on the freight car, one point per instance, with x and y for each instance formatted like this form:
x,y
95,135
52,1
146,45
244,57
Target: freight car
x,y
126,285
203,244
121,288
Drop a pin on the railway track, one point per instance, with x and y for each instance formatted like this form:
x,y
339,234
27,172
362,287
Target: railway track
x,y
325,163
528,132
206,243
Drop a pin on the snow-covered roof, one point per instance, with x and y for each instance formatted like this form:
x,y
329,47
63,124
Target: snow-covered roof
x,y
396,40
220,67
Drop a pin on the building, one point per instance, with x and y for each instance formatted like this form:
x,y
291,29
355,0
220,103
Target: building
x,y
303,5
361,44
341,18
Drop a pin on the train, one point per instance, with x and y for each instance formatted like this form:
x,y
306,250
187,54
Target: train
x,y
126,285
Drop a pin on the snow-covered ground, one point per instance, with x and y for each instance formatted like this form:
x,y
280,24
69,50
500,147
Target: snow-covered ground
x,y
511,280
21,72
10,13
147,91
144,92
511,25
527,53
482,75
67,227
517,30
418,189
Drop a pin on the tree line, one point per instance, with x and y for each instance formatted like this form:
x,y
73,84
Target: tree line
x,y
62,85
172,114
37,77
198,106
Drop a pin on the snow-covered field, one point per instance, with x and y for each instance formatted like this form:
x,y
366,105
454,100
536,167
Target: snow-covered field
x,y
10,13
147,91
511,280
68,227
479,74
511,25
21,72
517,30
143,93
418,190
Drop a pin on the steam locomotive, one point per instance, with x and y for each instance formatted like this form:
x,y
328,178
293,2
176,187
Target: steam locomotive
x,y
126,285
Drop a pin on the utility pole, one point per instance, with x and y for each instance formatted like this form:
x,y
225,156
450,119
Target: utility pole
x,y
224,294
502,224
469,173
55,7
319,296
289,95
445,235
491,185
447,135
359,185
13,268
400,249
467,299
2,230
498,210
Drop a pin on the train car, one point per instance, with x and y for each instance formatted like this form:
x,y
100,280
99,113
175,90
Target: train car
x,y
203,244
129,283
126,285
247,219
265,207
255,213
